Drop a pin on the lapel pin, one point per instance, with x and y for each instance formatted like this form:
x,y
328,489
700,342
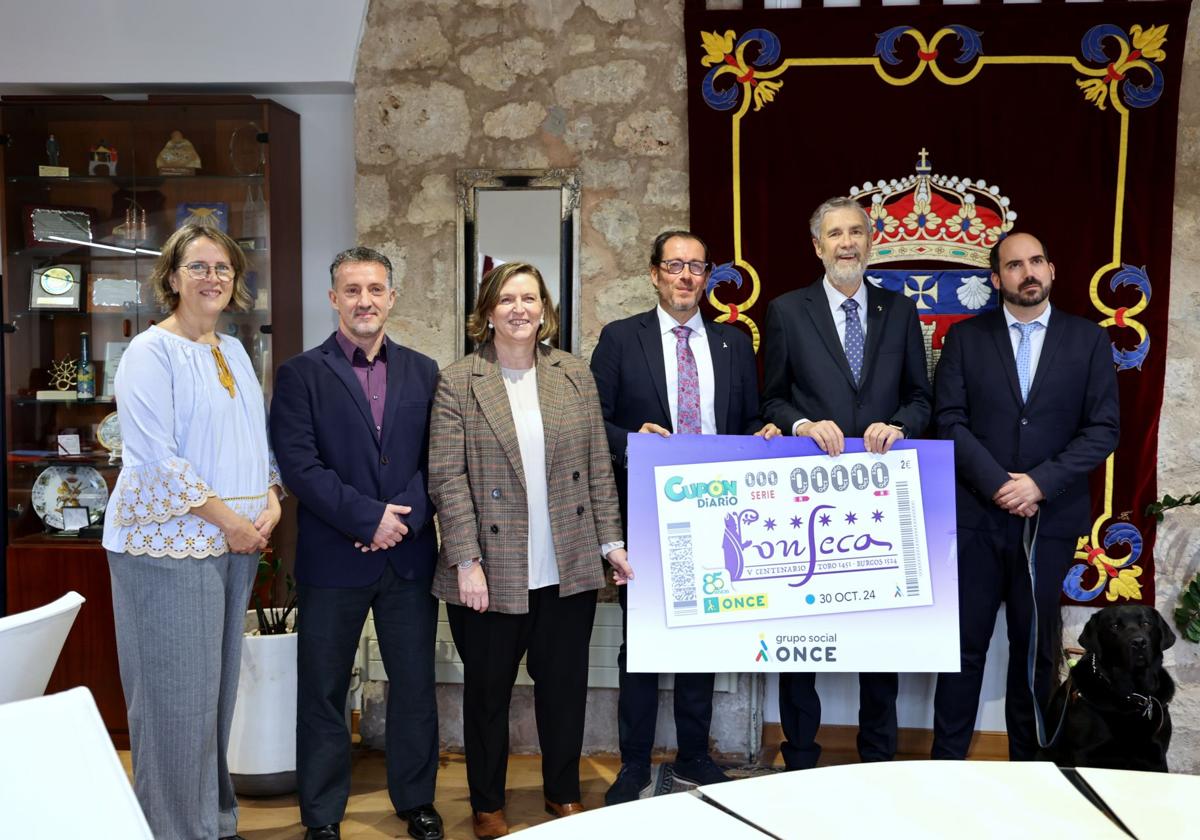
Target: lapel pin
x,y
724,346
879,307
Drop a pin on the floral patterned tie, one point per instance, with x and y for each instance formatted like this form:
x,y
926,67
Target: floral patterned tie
x,y
688,399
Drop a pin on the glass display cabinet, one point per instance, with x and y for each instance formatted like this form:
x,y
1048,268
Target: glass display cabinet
x,y
91,189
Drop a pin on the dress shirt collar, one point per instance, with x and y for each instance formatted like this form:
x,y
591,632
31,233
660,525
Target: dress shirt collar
x,y
1043,319
351,349
666,323
836,298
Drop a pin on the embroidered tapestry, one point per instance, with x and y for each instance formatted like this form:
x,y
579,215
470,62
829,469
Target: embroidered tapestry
x,y
954,125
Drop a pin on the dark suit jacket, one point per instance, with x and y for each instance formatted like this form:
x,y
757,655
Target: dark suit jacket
x,y
478,480
342,475
631,377
1067,428
807,376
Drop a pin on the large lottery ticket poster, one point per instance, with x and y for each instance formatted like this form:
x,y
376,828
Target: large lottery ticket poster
x,y
755,555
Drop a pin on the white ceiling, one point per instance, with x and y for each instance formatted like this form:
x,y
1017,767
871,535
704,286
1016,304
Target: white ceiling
x,y
257,44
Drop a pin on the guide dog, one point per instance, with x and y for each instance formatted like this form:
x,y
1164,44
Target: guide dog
x,y
1117,696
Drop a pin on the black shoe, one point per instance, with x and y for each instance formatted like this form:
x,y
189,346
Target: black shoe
x,y
232,837
333,831
632,783
424,822
699,771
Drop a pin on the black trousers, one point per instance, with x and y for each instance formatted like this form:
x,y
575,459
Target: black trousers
x,y
800,717
330,622
992,568
554,637
637,708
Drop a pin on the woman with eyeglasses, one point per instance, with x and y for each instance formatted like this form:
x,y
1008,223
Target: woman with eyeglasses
x,y
194,504
521,475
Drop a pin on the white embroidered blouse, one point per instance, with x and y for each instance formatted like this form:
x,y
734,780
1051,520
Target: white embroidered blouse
x,y
185,439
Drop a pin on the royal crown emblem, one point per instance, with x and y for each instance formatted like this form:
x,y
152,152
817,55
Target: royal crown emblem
x,y
925,216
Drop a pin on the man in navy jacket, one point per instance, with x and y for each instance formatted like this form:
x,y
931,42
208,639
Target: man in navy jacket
x,y
1028,394
350,430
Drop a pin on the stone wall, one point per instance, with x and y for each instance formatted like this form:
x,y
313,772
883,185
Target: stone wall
x,y
446,85
599,84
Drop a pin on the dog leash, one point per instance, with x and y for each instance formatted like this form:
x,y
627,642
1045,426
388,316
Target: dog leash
x,y
1029,541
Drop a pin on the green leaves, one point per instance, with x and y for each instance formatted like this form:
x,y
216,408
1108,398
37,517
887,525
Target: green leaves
x,y
1187,615
1169,502
273,619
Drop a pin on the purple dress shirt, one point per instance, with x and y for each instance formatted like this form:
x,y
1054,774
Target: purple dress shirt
x,y
371,375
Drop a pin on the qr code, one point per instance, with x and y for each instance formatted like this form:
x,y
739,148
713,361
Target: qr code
x,y
683,569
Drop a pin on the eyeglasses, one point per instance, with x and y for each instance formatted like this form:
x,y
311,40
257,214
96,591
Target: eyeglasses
x,y
199,270
676,266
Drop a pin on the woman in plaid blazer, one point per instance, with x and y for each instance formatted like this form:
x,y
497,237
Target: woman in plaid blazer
x,y
520,471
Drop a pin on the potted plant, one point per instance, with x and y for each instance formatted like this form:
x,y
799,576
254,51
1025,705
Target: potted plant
x,y
262,737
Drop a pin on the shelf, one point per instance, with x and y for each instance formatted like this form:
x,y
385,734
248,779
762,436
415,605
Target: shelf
x,y
105,401
99,460
126,181
75,541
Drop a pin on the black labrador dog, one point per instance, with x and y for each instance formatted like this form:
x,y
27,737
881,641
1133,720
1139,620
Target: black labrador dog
x,y
1117,695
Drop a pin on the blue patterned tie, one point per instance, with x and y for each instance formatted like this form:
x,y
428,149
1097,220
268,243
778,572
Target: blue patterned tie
x,y
1023,355
854,338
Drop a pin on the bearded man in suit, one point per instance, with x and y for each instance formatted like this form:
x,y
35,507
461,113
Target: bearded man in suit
x,y
1028,394
843,358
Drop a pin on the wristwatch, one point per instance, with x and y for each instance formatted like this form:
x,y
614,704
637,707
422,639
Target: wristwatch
x,y
903,429
465,565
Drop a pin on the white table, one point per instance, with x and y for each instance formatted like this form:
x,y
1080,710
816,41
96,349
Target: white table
x,y
675,816
962,799
1152,805
59,774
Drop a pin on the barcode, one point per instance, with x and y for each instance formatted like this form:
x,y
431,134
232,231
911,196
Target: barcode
x,y
908,541
683,571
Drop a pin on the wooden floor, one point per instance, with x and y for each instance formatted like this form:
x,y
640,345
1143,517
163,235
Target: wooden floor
x,y
369,814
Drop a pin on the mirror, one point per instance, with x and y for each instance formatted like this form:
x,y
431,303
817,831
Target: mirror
x,y
526,215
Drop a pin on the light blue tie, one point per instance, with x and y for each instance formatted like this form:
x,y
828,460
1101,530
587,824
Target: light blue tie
x,y
1024,349
854,338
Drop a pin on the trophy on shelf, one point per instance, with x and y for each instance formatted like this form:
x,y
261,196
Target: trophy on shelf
x,y
178,156
51,168
102,159
62,377
133,229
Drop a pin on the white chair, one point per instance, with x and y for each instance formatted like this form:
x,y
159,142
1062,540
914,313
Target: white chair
x,y
59,774
30,643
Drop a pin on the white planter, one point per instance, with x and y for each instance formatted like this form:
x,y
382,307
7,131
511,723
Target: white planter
x,y
262,738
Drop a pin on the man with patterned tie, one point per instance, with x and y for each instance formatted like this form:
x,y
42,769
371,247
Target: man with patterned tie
x,y
671,370
1028,394
843,358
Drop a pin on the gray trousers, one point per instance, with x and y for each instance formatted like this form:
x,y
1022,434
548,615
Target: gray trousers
x,y
179,641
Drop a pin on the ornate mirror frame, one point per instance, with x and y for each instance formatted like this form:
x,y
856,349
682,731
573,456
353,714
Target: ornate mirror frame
x,y
566,182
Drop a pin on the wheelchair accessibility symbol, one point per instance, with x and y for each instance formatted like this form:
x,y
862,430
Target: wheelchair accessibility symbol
x,y
714,583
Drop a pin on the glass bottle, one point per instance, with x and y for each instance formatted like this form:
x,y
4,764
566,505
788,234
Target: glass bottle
x,y
85,372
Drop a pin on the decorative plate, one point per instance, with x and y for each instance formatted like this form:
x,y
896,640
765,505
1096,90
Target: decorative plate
x,y
108,433
57,487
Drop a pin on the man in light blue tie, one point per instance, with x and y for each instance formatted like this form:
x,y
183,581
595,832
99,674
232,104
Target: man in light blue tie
x,y
843,358
1028,394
